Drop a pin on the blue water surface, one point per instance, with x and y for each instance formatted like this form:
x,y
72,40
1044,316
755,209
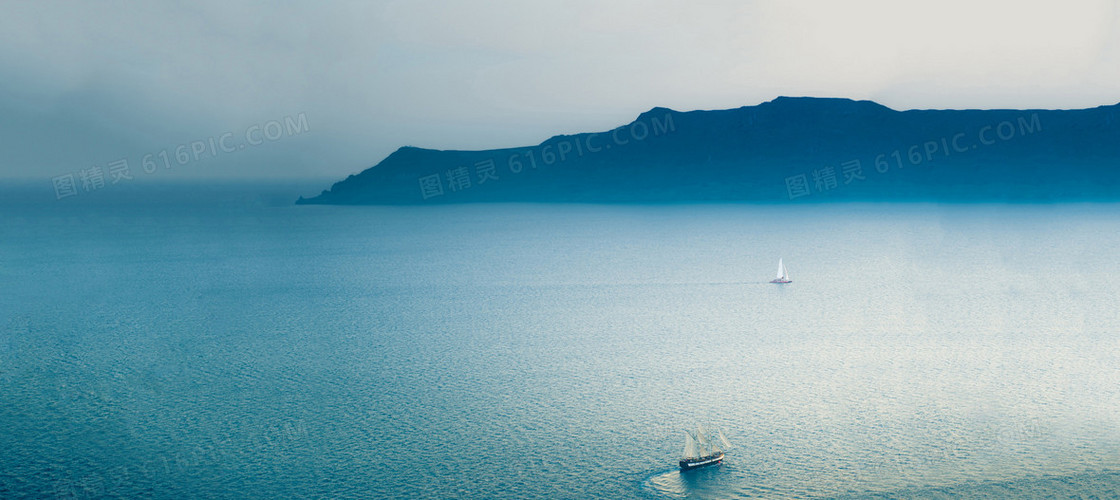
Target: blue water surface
x,y
219,342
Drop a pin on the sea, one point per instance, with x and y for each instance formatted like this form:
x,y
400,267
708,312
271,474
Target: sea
x,y
218,341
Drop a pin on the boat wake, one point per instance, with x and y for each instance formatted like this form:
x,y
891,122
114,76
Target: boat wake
x,y
684,484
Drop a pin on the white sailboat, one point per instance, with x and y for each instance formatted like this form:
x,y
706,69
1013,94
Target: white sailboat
x,y
702,447
783,274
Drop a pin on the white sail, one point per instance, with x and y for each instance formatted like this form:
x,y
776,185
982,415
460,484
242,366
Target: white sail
x,y
723,440
702,437
689,446
783,273
703,447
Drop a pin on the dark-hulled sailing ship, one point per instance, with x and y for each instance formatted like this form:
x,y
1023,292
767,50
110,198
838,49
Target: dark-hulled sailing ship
x,y
702,447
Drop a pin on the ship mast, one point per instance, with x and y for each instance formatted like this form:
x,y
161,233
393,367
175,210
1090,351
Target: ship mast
x,y
699,443
705,442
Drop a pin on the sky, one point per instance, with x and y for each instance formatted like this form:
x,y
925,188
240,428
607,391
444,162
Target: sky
x,y
291,90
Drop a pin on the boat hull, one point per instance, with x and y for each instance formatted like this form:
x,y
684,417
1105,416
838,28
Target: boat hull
x,y
693,463
780,282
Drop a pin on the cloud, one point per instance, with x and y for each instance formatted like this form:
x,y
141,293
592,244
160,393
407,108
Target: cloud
x,y
86,83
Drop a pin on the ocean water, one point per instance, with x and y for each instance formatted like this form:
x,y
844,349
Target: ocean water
x,y
224,344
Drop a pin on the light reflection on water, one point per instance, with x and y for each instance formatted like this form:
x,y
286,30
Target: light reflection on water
x,y
557,351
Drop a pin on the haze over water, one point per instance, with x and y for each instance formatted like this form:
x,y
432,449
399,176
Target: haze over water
x,y
234,345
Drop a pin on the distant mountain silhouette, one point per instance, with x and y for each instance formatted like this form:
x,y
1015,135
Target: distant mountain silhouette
x,y
791,149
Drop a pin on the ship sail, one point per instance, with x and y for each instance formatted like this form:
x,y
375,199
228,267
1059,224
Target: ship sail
x,y
702,447
689,446
783,273
723,440
705,441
